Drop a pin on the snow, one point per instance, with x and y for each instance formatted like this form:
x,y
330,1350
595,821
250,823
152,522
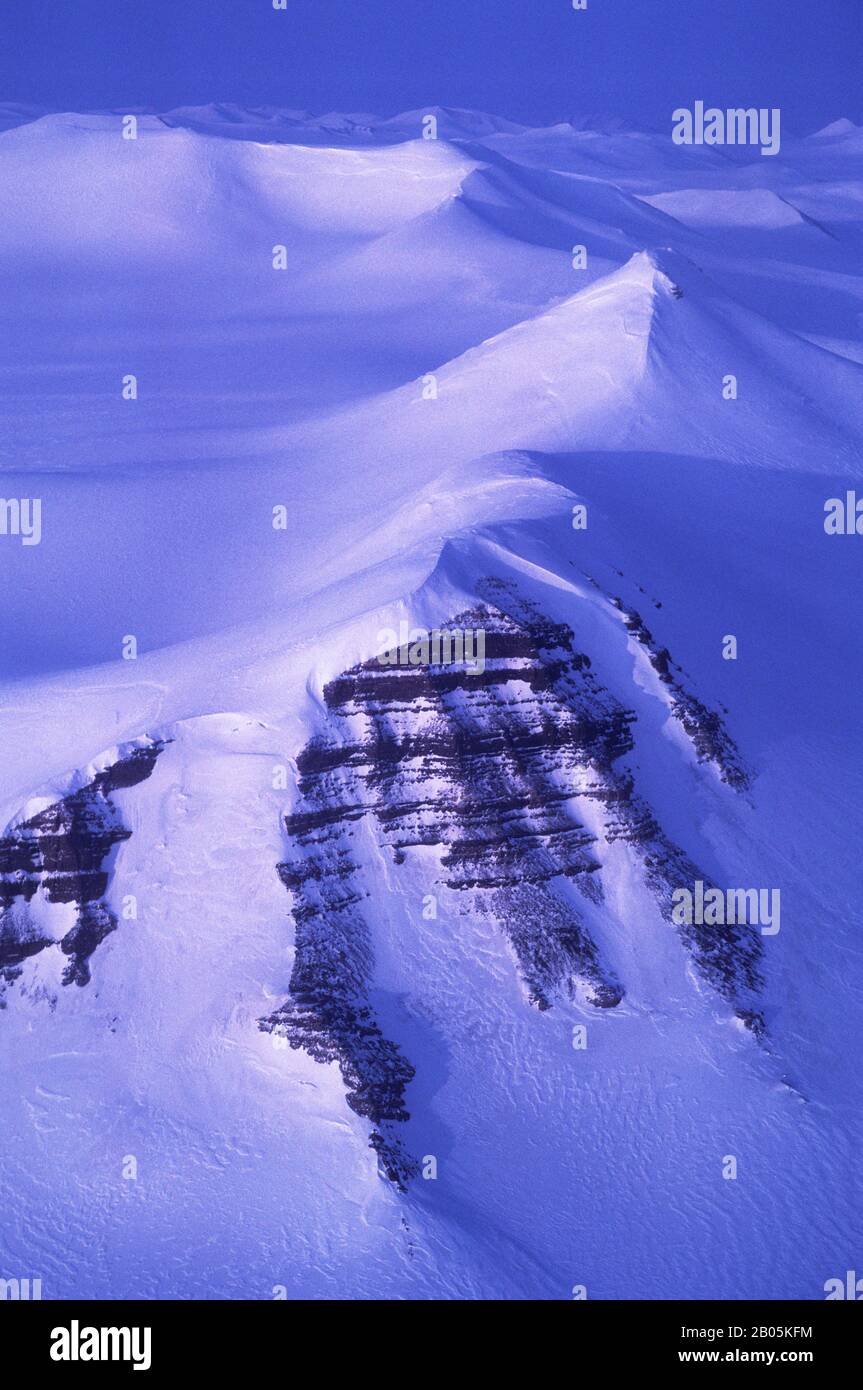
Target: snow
x,y
731,207
304,388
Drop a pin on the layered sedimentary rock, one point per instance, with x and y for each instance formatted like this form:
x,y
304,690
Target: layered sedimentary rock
x,y
63,853
501,767
328,1014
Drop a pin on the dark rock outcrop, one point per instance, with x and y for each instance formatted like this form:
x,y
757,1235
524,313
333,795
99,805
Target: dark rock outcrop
x,y
703,726
62,852
328,1013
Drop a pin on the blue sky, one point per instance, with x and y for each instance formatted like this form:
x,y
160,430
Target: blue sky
x,y
536,60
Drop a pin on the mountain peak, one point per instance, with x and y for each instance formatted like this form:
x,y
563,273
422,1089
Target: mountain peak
x,y
841,127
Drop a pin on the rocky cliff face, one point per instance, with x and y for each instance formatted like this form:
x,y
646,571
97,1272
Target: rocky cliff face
x,y
500,783
62,853
509,773
500,780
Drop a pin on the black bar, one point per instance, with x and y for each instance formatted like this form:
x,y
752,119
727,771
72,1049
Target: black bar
x,y
198,1337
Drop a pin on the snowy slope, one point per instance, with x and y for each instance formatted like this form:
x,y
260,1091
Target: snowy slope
x,y
289,928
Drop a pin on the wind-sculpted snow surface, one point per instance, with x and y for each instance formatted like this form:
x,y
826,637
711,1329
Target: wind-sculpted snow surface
x,y
388,993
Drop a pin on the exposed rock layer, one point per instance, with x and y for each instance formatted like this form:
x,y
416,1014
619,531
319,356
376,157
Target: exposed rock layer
x,y
62,853
501,768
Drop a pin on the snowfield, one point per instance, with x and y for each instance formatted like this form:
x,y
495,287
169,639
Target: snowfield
x,y
329,981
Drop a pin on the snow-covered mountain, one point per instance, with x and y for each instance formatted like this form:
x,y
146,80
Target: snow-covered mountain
x,y
339,964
